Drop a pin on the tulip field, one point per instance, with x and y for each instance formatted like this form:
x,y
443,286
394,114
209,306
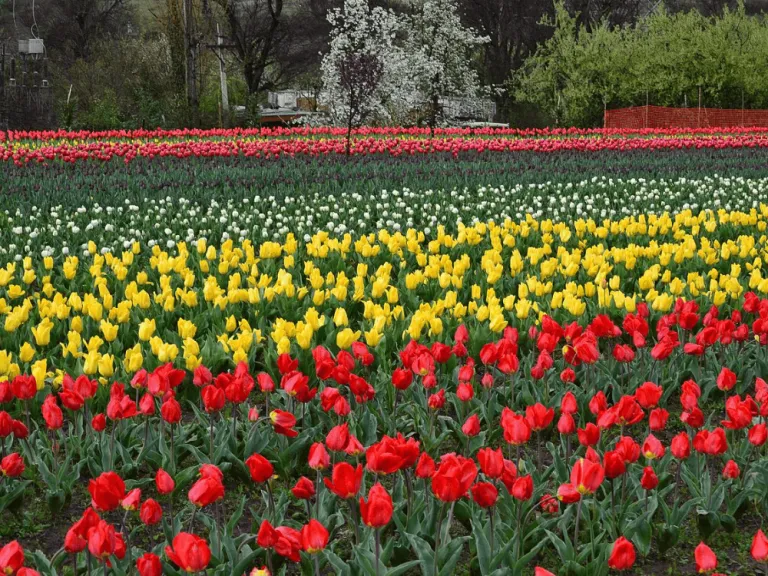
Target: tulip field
x,y
488,352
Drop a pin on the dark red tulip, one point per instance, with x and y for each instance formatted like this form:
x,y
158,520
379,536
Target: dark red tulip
x,y
260,468
164,482
150,513
107,491
304,489
345,480
622,555
189,552
377,511
314,537
484,494
149,565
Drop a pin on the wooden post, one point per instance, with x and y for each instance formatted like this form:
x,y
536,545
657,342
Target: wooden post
x,y
646,109
698,120
189,51
223,79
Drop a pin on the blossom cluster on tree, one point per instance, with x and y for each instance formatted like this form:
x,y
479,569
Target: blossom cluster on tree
x,y
390,68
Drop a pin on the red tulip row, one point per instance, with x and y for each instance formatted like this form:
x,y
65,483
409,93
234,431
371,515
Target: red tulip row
x,y
394,131
620,427
106,150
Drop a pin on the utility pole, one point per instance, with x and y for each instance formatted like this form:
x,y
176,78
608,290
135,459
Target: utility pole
x,y
191,66
223,77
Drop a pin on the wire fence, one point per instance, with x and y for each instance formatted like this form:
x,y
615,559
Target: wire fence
x,y
638,117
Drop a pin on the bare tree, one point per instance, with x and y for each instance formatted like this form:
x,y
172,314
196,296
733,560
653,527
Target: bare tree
x,y
359,78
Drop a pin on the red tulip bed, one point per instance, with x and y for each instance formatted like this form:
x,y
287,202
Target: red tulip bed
x,y
229,365
41,147
585,447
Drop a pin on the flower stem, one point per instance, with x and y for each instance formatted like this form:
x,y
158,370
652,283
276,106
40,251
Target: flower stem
x,y
377,538
437,536
576,528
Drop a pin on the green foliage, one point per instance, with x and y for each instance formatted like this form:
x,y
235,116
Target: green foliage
x,y
127,83
665,58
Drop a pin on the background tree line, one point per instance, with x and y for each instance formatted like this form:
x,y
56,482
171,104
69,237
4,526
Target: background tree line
x,y
122,63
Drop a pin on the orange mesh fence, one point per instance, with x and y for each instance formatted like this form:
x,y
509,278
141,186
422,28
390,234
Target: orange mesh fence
x,y
662,117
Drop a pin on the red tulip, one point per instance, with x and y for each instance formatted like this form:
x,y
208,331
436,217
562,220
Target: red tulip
x,y
213,398
589,435
731,470
104,541
568,494
681,446
622,555
726,380
202,376
539,416
318,457
568,376
653,448
71,400
539,571
189,552
76,538
267,536
491,462
758,434
54,418
345,480
657,420
614,465
759,549
471,426
566,425
437,400
648,395
283,423
453,477
712,443
392,454
11,557
649,480
549,504
151,513
132,500
314,537
587,476
149,565
425,467
171,411
206,491
304,489
377,511
20,431
568,404
107,491
517,431
260,468
523,488
337,438
266,384
402,378
164,482
289,543
706,561
484,494
286,364
24,387
12,465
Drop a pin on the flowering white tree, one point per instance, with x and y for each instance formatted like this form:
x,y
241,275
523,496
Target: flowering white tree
x,y
440,50
386,67
365,70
